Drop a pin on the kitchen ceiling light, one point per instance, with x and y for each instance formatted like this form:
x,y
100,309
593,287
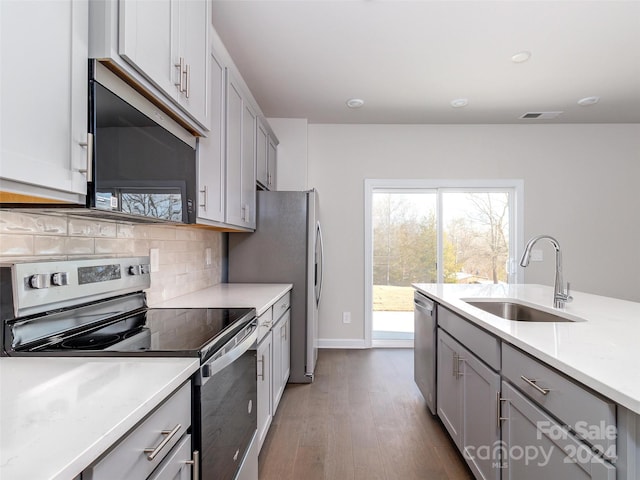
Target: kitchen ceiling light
x,y
355,103
459,102
521,57
586,101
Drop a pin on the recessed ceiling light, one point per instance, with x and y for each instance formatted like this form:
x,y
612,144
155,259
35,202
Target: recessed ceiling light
x,y
355,103
586,101
459,102
521,57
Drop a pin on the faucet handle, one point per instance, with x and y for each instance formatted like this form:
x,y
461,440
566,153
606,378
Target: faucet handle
x,y
568,297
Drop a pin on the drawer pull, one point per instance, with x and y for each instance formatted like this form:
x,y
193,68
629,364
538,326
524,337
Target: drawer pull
x,y
195,465
169,434
533,383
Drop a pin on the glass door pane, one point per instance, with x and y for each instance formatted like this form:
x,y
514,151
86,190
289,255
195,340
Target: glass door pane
x,y
404,252
475,236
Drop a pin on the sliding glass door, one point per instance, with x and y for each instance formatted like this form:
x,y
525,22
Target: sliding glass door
x,y
436,233
404,252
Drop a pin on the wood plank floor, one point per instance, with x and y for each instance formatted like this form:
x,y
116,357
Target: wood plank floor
x,y
362,418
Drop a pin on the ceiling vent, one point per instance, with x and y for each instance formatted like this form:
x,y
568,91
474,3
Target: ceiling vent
x,y
540,115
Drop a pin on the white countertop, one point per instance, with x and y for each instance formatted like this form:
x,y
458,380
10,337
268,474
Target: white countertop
x,y
260,296
58,415
602,352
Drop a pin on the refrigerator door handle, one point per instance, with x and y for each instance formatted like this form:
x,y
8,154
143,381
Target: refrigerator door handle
x,y
319,282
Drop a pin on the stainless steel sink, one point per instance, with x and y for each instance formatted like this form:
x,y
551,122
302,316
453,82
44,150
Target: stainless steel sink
x,y
517,312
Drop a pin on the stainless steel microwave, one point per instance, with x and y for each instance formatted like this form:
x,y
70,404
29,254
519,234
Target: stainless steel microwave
x,y
144,163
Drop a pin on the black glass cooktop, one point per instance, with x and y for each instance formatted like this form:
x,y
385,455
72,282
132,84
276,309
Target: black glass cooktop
x,y
193,332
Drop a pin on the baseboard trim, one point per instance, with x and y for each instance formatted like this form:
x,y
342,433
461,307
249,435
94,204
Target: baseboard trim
x,y
392,343
341,343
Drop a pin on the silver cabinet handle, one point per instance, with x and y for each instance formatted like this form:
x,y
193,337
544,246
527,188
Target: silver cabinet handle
x,y
534,384
169,434
458,370
261,374
187,81
499,417
454,364
180,67
89,146
195,463
204,197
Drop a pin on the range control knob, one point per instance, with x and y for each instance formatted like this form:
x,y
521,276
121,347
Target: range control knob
x,y
60,279
39,280
142,269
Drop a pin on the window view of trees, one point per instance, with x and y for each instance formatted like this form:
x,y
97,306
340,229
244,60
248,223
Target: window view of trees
x,y
160,205
475,236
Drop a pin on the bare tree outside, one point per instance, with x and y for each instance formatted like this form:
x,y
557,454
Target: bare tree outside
x,y
166,206
475,242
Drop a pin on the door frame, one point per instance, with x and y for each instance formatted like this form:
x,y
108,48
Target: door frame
x,y
516,217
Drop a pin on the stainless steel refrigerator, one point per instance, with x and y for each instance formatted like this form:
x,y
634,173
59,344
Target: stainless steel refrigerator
x,y
286,248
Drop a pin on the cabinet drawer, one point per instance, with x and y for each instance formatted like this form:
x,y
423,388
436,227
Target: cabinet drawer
x,y
265,322
128,459
281,306
590,415
175,466
482,344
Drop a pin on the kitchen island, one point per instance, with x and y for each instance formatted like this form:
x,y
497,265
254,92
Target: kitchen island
x,y
562,372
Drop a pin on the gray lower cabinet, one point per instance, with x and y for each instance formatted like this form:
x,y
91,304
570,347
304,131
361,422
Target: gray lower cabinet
x,y
265,395
536,446
159,448
468,391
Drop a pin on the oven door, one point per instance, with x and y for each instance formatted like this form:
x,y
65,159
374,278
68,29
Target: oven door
x,y
225,406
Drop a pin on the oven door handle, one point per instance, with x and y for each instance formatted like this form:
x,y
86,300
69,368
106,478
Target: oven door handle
x,y
233,349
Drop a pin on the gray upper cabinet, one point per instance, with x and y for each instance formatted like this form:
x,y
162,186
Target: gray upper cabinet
x,y
262,147
211,150
162,46
241,157
272,164
45,47
266,157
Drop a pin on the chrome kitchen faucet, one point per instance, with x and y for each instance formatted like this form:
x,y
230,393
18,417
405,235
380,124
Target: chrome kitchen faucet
x,y
560,296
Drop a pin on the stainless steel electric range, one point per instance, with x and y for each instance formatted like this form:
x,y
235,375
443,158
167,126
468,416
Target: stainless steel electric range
x,y
97,307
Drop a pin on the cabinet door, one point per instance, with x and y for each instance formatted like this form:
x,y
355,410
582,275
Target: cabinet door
x,y
286,349
193,22
263,412
480,430
241,158
146,40
211,165
272,165
537,447
234,153
276,371
262,144
43,94
449,387
248,184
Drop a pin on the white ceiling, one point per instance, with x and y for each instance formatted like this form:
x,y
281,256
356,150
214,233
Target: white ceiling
x,y
409,59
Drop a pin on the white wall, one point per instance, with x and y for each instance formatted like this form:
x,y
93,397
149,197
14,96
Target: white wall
x,y
292,152
580,185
